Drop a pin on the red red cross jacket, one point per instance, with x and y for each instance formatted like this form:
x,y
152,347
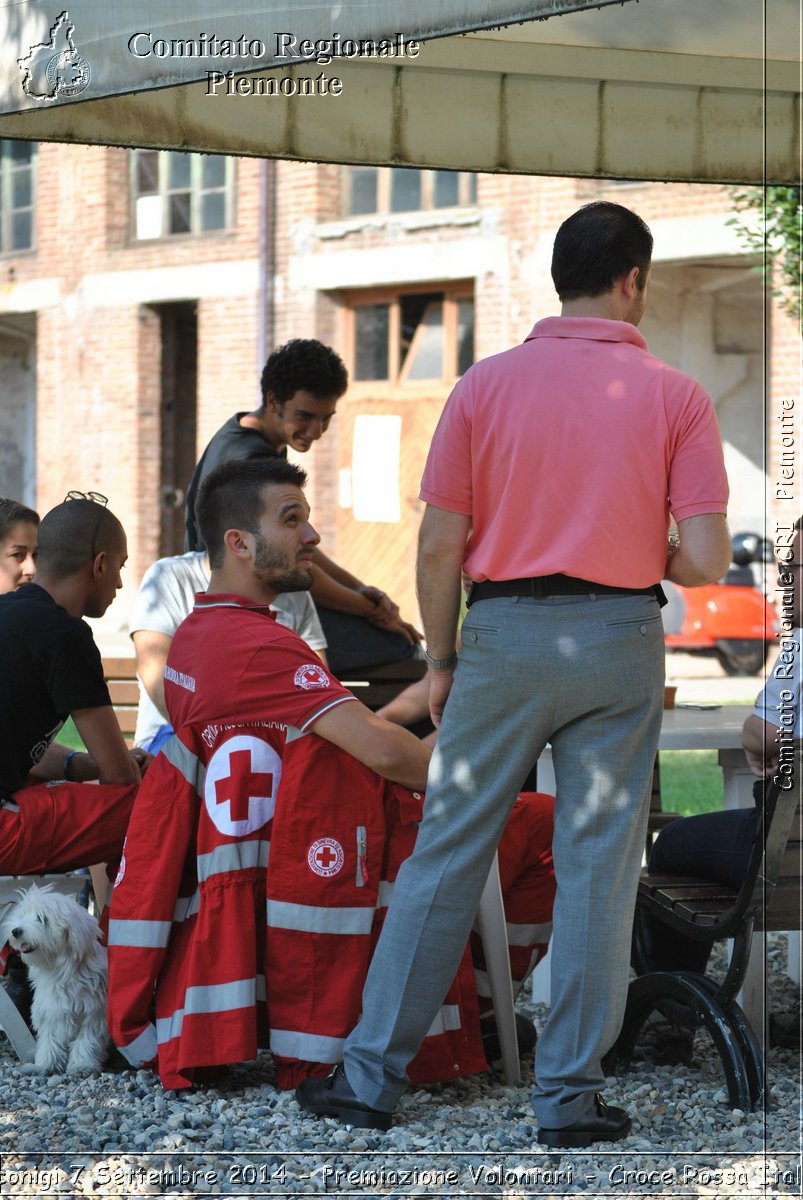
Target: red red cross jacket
x,y
220,907
190,933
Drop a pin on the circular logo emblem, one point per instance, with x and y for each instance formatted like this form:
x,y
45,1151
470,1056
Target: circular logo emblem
x,y
121,869
242,778
311,676
325,857
68,73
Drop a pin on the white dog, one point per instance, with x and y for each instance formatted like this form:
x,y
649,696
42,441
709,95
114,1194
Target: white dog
x,y
58,942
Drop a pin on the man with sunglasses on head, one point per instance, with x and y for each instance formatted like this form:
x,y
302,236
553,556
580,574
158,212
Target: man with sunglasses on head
x,y
53,670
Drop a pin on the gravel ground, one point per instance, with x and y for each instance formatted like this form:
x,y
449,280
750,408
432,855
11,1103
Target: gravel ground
x,y
122,1135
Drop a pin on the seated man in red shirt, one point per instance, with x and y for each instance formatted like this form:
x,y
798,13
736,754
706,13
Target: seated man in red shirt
x,y
278,781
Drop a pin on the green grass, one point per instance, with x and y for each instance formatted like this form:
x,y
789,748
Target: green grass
x,y
68,735
691,781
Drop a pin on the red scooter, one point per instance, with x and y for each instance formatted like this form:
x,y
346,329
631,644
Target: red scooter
x,y
731,620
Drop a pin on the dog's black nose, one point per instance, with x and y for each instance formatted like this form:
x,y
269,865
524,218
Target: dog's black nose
x,y
16,932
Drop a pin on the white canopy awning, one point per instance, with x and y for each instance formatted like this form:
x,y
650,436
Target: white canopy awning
x,y
663,89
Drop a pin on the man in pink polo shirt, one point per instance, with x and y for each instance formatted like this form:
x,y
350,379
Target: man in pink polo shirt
x,y
550,482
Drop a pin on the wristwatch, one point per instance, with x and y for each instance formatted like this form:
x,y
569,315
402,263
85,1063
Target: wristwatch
x,y
441,664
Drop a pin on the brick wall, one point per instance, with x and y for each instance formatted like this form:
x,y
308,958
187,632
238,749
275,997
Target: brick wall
x,y
306,194
98,332
96,292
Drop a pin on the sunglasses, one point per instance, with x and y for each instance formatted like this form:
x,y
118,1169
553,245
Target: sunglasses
x,y
95,498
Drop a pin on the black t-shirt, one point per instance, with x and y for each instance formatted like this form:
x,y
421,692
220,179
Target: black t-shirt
x,y
233,442
51,667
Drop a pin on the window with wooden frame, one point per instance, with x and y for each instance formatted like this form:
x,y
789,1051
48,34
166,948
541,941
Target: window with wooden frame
x,y
410,336
176,193
404,189
17,195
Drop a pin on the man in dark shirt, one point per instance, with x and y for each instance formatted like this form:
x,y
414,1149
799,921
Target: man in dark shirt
x,y
301,384
53,670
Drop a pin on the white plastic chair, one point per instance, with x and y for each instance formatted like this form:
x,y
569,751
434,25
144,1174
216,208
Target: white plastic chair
x,y
493,932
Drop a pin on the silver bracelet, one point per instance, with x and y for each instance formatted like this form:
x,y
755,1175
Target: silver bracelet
x,y
441,664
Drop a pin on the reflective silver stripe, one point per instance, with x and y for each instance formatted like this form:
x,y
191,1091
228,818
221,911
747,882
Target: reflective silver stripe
x,y
10,806
313,1047
308,918
185,762
309,1047
142,1049
385,894
237,856
325,708
447,1018
528,935
207,998
151,934
204,607
186,907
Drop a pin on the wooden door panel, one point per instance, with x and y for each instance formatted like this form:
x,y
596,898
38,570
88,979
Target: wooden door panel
x,y
383,552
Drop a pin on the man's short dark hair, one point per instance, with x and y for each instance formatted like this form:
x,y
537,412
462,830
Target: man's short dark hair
x,y
231,498
73,533
597,245
12,513
304,364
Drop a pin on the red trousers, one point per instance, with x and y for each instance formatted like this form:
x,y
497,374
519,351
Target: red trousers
x,y
63,826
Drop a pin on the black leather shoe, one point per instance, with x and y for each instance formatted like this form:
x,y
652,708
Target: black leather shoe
x,y
608,1125
333,1097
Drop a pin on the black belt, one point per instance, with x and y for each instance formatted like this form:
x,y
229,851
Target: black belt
x,y
556,585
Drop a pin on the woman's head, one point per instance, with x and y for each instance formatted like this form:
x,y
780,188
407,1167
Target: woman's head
x,y
19,532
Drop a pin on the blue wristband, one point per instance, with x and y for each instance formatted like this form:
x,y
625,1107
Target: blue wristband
x,y
66,768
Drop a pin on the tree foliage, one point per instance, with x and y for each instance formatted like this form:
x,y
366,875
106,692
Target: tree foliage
x,y
775,237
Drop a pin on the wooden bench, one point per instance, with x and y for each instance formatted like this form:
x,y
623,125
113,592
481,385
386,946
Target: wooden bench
x,y
121,678
769,899
375,686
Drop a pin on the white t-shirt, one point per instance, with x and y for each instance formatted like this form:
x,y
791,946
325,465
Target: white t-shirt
x,y
166,596
778,702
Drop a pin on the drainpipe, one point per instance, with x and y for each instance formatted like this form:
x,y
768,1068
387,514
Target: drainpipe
x,y
267,260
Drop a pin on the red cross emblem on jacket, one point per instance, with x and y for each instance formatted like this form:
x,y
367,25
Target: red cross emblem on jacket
x,y
325,857
237,789
242,778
